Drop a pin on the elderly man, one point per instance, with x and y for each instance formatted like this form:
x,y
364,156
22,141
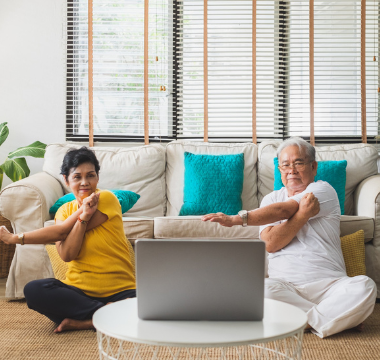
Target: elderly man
x,y
301,225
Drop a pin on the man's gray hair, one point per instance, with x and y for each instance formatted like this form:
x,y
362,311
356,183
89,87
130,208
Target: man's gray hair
x,y
301,143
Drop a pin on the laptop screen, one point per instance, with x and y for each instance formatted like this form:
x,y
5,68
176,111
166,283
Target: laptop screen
x,y
214,279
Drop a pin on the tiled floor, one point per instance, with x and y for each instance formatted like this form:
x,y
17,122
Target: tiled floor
x,y
2,288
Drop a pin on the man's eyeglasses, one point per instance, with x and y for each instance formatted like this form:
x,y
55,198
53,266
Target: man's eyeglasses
x,y
299,166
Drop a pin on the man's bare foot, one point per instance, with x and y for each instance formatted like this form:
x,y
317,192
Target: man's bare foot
x,y
359,328
71,324
307,328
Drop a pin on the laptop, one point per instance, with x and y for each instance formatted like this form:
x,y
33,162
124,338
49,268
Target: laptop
x,y
212,279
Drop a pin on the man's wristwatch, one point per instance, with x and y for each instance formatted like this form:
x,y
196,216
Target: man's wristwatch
x,y
244,216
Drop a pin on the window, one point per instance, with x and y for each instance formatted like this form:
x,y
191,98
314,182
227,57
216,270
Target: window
x,y
337,69
229,70
176,70
118,66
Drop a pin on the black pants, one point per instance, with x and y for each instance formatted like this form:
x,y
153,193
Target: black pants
x,y
58,301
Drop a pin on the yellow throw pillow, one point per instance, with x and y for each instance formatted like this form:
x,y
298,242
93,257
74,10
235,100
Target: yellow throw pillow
x,y
354,253
60,267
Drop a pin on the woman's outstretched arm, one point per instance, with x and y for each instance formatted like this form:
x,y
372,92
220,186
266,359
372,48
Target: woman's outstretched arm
x,y
58,232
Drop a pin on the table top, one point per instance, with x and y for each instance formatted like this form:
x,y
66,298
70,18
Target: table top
x,y
119,320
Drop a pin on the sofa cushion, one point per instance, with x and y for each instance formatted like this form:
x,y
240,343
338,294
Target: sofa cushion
x,y
138,169
333,172
172,227
60,267
350,224
126,199
213,183
361,163
354,253
134,227
175,170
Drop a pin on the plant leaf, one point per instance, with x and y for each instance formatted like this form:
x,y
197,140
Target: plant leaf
x,y
4,131
37,150
16,169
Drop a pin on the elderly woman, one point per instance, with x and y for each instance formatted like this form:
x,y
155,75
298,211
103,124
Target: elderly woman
x,y
89,235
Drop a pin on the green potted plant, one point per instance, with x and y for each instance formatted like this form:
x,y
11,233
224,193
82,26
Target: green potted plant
x,y
15,166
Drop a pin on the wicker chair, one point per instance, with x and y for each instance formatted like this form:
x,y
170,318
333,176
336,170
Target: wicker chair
x,y
6,251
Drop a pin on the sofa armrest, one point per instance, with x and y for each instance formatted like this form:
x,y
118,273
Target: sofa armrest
x,y
367,202
367,196
26,202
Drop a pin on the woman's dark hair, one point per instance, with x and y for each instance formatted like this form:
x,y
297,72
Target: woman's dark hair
x,y
76,157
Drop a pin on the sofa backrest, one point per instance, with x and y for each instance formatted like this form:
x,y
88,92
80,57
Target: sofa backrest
x,y
175,170
138,169
361,163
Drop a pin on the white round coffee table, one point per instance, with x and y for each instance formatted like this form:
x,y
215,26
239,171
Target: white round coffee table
x,y
122,335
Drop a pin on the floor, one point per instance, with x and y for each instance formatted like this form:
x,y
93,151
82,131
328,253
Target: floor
x,y
2,288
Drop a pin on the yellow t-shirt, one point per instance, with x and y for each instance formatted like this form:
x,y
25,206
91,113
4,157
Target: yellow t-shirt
x,y
103,266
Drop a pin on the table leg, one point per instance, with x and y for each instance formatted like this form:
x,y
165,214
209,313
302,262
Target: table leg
x,y
289,348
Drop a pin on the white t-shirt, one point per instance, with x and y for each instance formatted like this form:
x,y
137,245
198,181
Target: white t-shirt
x,y
315,252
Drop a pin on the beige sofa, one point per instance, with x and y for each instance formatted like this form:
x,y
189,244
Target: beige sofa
x,y
157,174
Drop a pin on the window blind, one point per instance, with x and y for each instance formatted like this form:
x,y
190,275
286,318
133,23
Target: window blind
x,y
118,69
257,87
270,69
372,69
337,70
230,73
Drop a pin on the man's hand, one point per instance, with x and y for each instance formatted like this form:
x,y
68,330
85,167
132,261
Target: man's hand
x,y
222,219
7,237
309,206
89,205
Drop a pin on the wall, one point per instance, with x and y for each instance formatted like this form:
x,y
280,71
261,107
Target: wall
x,y
32,74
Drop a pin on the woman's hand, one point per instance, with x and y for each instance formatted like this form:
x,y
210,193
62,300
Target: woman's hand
x,y
89,206
7,237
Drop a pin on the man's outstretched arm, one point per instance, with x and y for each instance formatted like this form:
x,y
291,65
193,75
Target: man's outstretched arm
x,y
265,215
278,236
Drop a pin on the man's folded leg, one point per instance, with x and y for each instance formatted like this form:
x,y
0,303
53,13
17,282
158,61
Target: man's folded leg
x,y
278,289
346,303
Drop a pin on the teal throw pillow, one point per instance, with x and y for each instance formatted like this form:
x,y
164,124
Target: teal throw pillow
x,y
62,200
213,183
126,199
333,172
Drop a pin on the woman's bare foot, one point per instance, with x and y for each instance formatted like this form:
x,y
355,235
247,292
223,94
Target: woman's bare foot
x,y
71,324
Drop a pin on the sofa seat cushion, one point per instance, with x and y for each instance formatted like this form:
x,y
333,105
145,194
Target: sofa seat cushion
x,y
175,170
172,227
351,224
134,227
138,169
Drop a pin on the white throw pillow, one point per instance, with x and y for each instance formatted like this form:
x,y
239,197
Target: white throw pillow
x,y
138,169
